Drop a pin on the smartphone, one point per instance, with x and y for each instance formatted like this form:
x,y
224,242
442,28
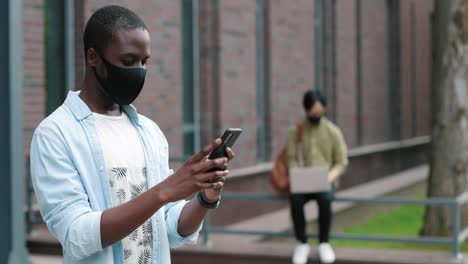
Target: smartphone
x,y
229,138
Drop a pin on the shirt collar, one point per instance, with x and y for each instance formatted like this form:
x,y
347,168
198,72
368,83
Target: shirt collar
x,y
307,124
81,111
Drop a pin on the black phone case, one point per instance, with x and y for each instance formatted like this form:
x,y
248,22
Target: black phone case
x,y
229,137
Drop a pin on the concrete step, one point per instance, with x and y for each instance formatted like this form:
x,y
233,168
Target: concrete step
x,y
227,252
45,259
40,241
230,249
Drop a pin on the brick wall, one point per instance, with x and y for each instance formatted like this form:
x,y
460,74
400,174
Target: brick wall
x,y
374,108
416,67
292,63
237,80
210,48
228,68
347,116
423,60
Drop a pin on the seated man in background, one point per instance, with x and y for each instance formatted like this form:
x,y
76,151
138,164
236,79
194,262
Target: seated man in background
x,y
322,146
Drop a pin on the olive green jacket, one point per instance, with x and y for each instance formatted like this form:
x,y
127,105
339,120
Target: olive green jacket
x,y
323,146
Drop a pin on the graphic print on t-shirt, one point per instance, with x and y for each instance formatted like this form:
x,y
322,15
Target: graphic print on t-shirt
x,y
137,245
126,172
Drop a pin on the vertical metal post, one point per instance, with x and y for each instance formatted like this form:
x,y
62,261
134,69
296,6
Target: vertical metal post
x,y
456,230
334,65
329,56
266,80
326,57
56,70
208,42
359,73
188,81
414,72
388,68
259,45
12,227
393,54
69,45
216,27
318,41
196,74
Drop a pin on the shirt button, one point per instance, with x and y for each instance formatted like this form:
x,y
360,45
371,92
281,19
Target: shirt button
x,y
101,168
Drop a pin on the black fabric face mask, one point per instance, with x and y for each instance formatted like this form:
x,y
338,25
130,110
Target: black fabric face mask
x,y
123,85
314,120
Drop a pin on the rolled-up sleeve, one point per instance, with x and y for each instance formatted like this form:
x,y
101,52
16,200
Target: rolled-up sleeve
x,y
62,199
340,151
173,211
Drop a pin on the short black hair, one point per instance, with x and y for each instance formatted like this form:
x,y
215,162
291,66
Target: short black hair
x,y
105,22
311,97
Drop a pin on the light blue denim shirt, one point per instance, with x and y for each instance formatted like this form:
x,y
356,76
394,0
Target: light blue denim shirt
x,y
72,188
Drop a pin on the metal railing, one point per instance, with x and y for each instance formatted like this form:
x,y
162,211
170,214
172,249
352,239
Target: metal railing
x,y
457,238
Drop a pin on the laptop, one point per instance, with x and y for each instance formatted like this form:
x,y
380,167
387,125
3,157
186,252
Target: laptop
x,y
309,180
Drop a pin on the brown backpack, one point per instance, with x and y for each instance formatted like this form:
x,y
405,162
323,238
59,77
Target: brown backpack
x,y
280,173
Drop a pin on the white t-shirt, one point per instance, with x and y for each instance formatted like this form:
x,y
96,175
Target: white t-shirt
x,y
125,163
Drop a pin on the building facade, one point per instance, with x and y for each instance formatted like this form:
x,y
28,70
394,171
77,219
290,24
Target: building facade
x,y
246,63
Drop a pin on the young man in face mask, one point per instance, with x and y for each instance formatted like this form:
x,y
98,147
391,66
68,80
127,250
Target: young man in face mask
x,y
323,146
100,170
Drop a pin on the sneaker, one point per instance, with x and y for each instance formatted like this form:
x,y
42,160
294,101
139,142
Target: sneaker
x,y
301,254
326,253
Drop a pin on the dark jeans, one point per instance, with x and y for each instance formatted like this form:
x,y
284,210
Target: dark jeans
x,y
325,214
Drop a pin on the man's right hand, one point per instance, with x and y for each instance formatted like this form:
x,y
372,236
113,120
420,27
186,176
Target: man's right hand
x,y
195,175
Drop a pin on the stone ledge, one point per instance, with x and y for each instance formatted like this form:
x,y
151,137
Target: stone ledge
x,y
263,168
